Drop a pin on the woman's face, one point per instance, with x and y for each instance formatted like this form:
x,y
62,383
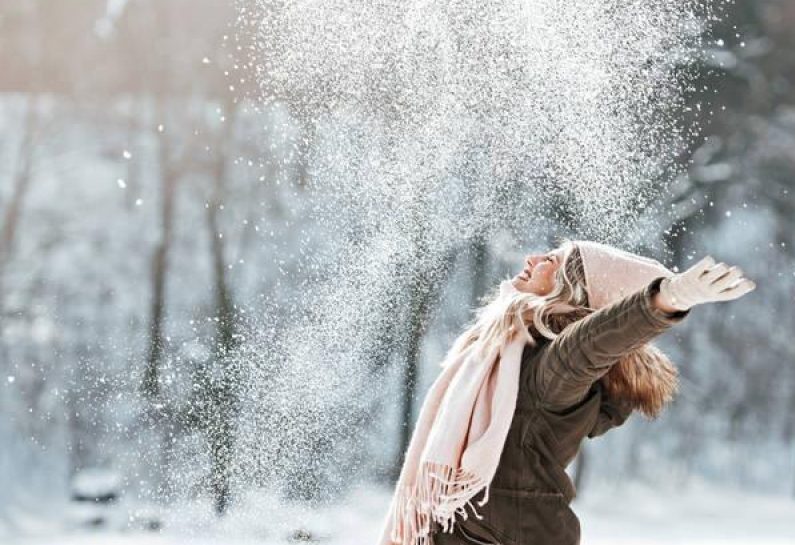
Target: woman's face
x,y
538,275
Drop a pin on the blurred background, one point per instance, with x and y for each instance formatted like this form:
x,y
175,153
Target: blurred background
x,y
152,226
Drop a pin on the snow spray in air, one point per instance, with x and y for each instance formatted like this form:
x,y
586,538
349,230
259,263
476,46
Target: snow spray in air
x,y
424,126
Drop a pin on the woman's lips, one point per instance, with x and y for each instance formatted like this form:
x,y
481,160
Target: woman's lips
x,y
525,275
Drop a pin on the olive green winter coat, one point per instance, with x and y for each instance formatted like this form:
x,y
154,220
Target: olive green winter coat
x,y
561,401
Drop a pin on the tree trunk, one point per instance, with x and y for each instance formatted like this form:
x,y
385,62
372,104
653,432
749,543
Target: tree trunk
x,y
168,181
223,386
424,292
480,258
581,468
20,187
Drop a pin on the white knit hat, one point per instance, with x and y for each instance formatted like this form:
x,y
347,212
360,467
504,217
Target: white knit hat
x,y
612,273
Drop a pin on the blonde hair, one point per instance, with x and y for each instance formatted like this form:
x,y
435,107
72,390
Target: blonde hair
x,y
645,378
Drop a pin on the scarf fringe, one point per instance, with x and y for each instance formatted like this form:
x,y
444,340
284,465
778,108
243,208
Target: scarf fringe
x,y
440,493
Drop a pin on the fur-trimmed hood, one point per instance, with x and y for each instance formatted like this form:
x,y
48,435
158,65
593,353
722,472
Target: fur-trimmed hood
x,y
645,378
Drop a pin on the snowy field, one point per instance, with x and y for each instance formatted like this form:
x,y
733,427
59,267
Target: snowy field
x,y
634,515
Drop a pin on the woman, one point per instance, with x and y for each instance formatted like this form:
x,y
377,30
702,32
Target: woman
x,y
560,353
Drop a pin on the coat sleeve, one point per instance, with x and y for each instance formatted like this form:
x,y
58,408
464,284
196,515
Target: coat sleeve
x,y
586,349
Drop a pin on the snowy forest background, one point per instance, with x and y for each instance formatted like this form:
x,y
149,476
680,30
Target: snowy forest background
x,y
157,224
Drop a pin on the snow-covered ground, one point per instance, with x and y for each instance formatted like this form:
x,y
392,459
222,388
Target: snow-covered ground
x,y
634,514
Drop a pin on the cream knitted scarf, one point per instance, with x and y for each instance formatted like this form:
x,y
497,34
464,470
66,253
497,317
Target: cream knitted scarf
x,y
458,438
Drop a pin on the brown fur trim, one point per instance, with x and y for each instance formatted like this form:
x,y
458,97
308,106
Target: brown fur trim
x,y
645,378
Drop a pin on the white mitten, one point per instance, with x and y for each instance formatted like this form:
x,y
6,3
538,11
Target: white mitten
x,y
704,282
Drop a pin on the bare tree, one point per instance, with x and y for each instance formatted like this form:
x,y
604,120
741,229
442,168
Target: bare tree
x,y
222,384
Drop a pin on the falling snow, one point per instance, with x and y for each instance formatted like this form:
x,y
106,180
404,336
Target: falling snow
x,y
427,126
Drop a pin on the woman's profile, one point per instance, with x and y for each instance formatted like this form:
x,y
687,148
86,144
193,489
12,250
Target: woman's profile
x,y
560,353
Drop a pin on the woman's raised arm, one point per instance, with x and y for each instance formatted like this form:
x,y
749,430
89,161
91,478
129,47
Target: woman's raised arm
x,y
586,349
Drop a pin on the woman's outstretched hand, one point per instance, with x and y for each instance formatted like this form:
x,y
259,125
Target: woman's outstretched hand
x,y
704,282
